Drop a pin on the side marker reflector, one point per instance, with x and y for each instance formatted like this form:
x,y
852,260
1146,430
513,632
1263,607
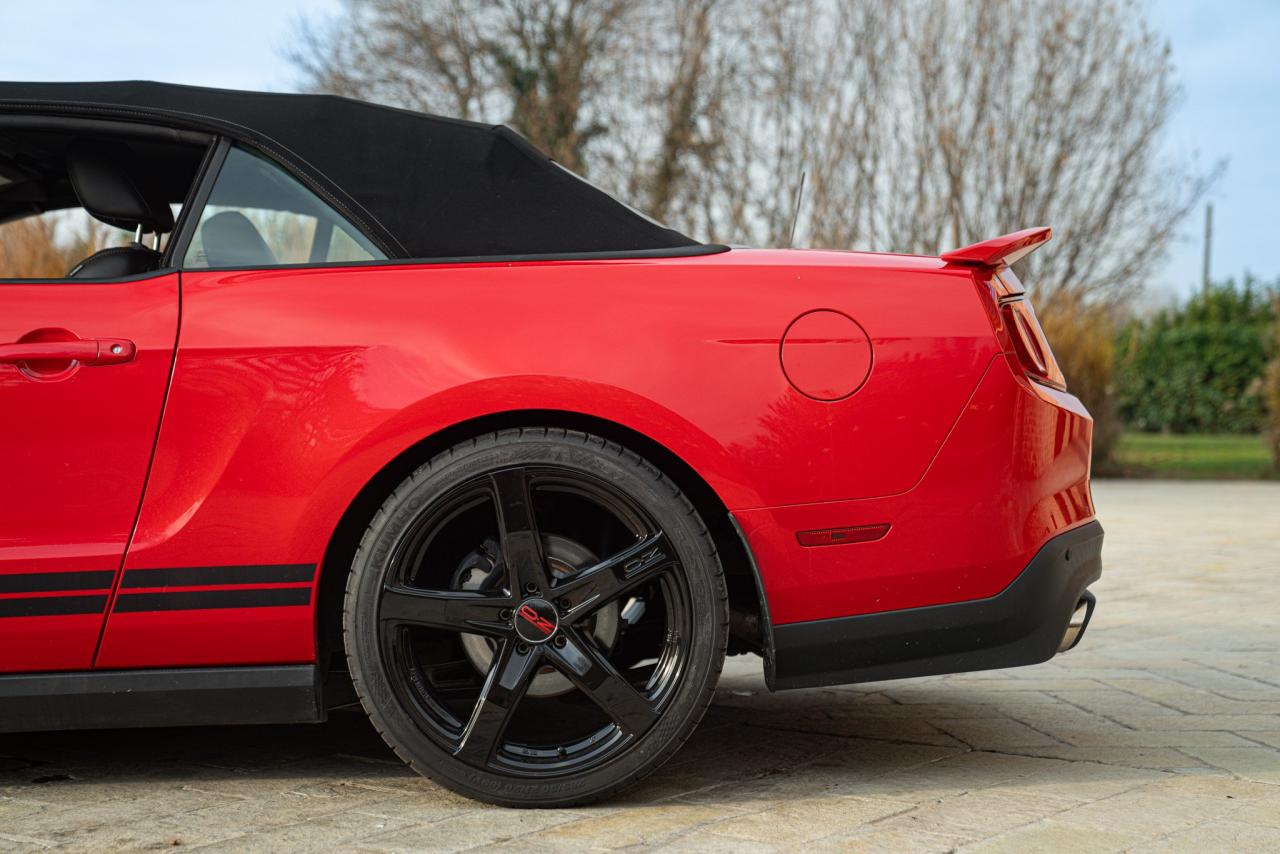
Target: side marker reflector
x,y
842,536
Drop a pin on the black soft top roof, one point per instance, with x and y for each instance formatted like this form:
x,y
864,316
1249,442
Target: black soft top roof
x,y
420,186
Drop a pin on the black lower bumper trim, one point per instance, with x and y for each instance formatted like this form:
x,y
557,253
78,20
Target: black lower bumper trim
x,y
1023,624
144,698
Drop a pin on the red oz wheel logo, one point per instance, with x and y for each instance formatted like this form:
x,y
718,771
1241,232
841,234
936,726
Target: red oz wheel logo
x,y
536,621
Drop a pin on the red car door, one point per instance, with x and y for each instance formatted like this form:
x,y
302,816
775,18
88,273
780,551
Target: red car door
x,y
84,368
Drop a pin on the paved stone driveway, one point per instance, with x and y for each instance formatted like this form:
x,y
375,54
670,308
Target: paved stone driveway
x,y
1162,732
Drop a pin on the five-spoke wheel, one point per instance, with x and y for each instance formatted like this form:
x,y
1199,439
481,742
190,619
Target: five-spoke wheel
x,y
528,611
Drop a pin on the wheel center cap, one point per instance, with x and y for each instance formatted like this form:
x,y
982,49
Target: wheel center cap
x,y
536,621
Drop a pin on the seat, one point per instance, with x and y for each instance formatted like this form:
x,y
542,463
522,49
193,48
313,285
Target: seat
x,y
231,240
117,262
111,187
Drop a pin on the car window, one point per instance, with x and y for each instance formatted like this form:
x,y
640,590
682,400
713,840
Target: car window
x,y
50,227
260,216
47,246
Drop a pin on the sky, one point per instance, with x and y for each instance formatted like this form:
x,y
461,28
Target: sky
x,y
1226,55
1225,52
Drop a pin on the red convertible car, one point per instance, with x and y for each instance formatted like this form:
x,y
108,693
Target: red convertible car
x,y
387,409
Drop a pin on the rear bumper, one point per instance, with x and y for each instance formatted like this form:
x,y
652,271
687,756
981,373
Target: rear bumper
x,y
1012,474
1023,624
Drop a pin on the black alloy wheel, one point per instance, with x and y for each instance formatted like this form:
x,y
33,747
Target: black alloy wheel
x,y
536,618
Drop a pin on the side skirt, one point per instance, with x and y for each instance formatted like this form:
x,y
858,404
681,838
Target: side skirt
x,y
1023,624
109,699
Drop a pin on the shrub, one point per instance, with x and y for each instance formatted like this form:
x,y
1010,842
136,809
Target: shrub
x,y
1198,368
1271,388
1082,336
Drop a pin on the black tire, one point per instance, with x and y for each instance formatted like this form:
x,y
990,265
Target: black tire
x,y
585,576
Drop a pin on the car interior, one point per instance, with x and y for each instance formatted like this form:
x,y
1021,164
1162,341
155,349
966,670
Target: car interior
x,y
128,176
138,178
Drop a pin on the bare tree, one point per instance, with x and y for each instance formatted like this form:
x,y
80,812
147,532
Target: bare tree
x,y
660,78
800,94
533,64
920,125
48,246
1054,119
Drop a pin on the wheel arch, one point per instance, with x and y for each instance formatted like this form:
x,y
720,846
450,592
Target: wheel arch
x,y
750,630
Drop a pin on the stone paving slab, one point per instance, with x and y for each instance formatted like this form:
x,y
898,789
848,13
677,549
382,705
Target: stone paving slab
x,y
1161,732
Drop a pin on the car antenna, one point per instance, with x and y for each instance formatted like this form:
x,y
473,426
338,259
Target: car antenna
x,y
795,215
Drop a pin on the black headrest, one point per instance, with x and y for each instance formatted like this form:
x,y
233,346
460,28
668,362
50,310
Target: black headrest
x,y
111,186
117,262
231,240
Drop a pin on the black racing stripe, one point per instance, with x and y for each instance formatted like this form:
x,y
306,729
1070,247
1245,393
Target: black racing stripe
x,y
42,582
195,600
198,576
52,606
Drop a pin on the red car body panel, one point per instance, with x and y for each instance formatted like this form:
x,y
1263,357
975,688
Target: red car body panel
x,y
1012,474
292,388
78,443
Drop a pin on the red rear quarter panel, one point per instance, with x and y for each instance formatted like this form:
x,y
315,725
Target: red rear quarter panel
x,y
1013,473
293,388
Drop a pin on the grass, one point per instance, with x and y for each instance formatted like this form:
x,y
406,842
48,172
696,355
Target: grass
x,y
1193,457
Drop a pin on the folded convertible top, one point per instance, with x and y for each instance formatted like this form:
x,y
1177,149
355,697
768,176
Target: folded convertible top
x,y
420,186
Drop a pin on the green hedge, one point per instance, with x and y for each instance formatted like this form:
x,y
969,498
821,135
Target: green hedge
x,y
1271,389
1198,368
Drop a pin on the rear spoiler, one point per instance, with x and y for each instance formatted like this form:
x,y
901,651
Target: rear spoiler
x,y
999,251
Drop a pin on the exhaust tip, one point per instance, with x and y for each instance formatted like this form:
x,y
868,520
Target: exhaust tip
x,y
1078,622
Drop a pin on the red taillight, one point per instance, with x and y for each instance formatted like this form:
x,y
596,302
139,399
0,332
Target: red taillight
x,y
1030,344
1016,319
